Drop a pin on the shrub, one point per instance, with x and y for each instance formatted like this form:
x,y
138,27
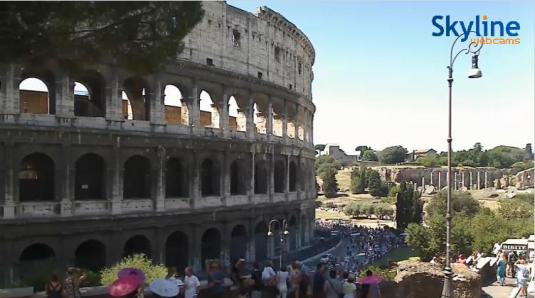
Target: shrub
x,y
138,261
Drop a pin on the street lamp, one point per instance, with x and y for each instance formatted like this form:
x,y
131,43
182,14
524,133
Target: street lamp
x,y
284,232
474,73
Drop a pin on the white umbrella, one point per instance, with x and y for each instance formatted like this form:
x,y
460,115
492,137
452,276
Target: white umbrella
x,y
164,287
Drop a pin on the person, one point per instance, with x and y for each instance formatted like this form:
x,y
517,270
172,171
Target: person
x,y
349,287
256,290
372,290
522,276
319,282
332,286
241,278
269,281
215,280
71,284
54,287
282,282
191,284
502,270
512,258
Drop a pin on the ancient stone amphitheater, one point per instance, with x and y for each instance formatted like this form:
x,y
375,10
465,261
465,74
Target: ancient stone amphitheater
x,y
185,165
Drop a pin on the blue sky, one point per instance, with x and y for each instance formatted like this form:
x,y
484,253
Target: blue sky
x,y
380,75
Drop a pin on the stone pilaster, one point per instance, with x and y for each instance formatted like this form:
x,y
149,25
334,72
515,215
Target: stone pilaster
x,y
225,173
64,96
10,201
269,120
285,121
67,178
249,113
194,107
224,116
114,108
195,187
9,91
160,179
157,108
117,179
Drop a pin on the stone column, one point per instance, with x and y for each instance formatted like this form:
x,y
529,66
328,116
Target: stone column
x,y
9,91
66,173
271,175
296,124
10,201
159,246
478,180
439,185
159,169
311,129
157,107
64,96
285,121
471,184
195,191
486,179
287,178
226,176
252,181
462,179
224,116
269,122
249,113
117,179
300,178
114,102
194,107
431,179
423,183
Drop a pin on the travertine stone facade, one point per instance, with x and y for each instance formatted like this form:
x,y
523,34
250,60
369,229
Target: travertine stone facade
x,y
77,186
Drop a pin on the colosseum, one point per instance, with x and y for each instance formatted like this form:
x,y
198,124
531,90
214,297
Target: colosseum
x,y
184,165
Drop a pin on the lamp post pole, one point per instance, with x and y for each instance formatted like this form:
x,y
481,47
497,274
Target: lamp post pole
x,y
283,232
447,290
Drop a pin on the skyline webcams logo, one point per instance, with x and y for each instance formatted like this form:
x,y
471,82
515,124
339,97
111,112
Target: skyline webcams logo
x,y
487,31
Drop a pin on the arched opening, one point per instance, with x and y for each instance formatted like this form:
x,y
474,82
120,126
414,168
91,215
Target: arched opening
x,y
138,244
291,129
90,176
36,178
293,234
36,261
210,178
35,97
37,252
136,101
136,182
300,133
238,243
259,119
293,176
176,111
208,111
260,233
279,176
176,180
237,178
277,124
237,117
89,95
210,245
91,254
176,251
260,177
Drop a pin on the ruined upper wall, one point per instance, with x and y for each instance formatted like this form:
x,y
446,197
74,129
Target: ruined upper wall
x,y
265,46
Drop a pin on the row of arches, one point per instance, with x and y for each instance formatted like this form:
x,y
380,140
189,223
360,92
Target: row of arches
x,y
37,174
93,254
37,97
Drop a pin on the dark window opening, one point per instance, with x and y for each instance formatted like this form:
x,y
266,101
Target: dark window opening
x,y
293,176
290,86
176,180
236,38
277,54
299,67
238,243
89,177
209,62
136,177
261,241
36,178
176,251
279,176
91,255
138,244
237,181
260,183
259,75
209,178
210,245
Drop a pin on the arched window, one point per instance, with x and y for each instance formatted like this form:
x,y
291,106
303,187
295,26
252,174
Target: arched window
x,y
35,97
136,104
36,178
260,177
136,182
138,244
90,177
279,176
210,245
208,111
210,178
176,112
238,243
37,252
91,254
176,251
293,176
237,118
176,179
259,119
237,178
89,95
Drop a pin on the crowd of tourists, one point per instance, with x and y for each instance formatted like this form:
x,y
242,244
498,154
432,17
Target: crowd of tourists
x,y
512,264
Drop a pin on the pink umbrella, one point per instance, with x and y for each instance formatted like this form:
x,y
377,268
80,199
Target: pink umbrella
x,y
372,280
124,286
137,273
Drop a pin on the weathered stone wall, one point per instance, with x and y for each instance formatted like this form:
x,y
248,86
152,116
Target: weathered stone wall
x,y
339,155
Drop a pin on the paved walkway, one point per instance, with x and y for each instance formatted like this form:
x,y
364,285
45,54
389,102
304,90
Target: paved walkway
x,y
494,290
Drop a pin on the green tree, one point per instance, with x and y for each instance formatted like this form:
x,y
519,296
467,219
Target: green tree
x,y
359,180
142,37
369,155
375,186
393,155
325,162
408,206
514,208
461,203
330,185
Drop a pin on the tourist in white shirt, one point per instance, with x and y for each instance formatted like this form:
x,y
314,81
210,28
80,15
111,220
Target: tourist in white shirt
x,y
191,284
282,282
269,281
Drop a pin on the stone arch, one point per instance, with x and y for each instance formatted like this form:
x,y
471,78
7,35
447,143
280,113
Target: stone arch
x,y
176,251
176,109
90,254
279,173
37,252
137,99
36,94
238,170
208,110
90,177
176,178
261,177
89,94
138,244
36,178
261,243
293,177
210,245
136,177
237,115
238,243
210,177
